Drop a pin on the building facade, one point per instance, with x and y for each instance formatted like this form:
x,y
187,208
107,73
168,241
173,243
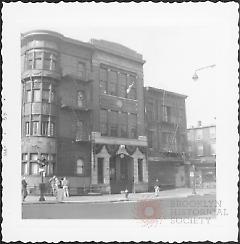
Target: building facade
x,y
83,110
202,151
167,138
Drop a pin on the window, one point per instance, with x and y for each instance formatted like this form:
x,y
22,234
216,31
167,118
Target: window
x,y
123,121
28,96
79,131
132,125
45,95
80,99
140,169
52,129
112,88
44,128
199,134
212,132
38,59
150,139
33,156
200,150
81,70
103,81
36,96
113,123
122,85
150,111
27,128
100,170
103,122
131,91
35,125
24,157
79,169
166,114
213,149
47,61
50,168
34,168
24,168
29,60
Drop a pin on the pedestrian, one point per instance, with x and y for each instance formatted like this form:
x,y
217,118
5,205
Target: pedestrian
x,y
56,186
53,185
156,188
24,189
65,187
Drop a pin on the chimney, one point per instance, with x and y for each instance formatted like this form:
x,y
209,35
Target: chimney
x,y
199,123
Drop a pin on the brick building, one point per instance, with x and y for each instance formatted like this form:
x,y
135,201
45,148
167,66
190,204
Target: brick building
x,y
83,110
202,150
167,139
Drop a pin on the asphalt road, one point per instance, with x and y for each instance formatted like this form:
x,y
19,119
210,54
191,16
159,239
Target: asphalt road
x,y
145,209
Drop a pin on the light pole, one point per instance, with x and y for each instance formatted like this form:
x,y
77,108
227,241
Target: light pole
x,y
42,163
195,76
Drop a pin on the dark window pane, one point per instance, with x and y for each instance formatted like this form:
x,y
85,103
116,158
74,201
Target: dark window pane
x,y
140,170
100,171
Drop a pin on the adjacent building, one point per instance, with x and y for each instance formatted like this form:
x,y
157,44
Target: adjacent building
x,y
202,151
165,121
83,111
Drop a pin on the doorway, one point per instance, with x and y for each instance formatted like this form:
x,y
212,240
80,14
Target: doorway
x,y
121,173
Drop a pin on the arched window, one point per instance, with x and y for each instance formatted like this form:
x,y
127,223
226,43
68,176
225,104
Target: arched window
x,y
80,165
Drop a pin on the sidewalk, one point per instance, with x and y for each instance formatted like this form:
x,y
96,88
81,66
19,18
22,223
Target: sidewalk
x,y
174,193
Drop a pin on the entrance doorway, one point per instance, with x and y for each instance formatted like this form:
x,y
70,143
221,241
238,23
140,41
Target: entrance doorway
x,y
121,173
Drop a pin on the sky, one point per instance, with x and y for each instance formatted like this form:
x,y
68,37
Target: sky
x,y
174,39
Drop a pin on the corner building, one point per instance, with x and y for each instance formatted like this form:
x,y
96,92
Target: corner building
x,y
83,110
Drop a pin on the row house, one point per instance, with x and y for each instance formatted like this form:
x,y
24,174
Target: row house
x,y
202,151
165,121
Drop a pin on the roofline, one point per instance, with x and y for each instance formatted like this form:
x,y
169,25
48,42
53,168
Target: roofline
x,y
117,53
149,88
56,35
201,127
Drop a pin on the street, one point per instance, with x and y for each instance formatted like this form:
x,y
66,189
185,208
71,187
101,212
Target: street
x,y
179,207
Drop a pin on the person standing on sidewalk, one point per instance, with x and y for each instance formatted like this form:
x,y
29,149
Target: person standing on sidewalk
x,y
156,188
24,189
65,187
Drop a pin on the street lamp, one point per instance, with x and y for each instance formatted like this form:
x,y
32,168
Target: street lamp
x,y
195,76
42,163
